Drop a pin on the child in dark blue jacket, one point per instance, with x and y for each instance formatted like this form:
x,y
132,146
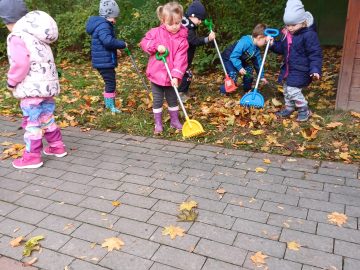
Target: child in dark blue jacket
x,y
243,56
104,48
302,53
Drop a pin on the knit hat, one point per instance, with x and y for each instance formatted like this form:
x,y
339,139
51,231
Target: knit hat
x,y
12,10
294,12
109,9
196,9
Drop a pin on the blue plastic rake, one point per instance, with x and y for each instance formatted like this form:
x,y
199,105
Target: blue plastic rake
x,y
254,98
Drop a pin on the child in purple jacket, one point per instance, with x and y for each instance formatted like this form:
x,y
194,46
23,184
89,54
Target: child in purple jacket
x,y
302,53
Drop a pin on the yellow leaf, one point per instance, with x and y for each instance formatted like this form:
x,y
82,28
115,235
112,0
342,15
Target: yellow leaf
x,y
276,102
258,259
260,170
63,124
188,205
316,126
333,125
337,218
355,114
267,161
116,203
345,156
6,143
17,241
173,231
187,216
309,134
112,243
7,134
293,245
257,132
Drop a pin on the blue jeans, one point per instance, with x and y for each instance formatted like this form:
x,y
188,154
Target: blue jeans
x,y
234,74
108,75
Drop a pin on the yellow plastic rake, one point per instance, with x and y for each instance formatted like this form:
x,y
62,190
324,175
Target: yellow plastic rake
x,y
191,128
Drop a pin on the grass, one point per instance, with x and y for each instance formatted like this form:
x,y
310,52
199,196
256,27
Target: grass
x,y
226,123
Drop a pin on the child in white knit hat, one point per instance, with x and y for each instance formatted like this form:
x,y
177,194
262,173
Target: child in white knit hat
x,y
302,63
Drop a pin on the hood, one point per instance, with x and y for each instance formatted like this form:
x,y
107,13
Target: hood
x,y
38,24
94,22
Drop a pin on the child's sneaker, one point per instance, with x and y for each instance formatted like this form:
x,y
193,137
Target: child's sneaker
x,y
55,151
285,112
303,114
28,161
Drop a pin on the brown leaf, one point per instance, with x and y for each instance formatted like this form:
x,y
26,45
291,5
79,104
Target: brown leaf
x,y
173,231
258,259
17,241
221,191
337,218
113,243
30,263
309,134
333,125
355,114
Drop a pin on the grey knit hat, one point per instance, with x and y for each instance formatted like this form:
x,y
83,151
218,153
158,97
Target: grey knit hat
x,y
109,9
12,10
294,12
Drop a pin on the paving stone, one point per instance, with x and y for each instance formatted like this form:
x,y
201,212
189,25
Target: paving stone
x,y
216,265
57,164
314,257
15,228
166,167
198,165
203,192
77,177
83,169
337,172
138,179
240,190
344,199
5,171
6,250
308,267
135,228
221,252
278,198
86,154
301,183
321,205
81,265
292,223
93,234
249,202
38,191
22,175
159,266
105,183
203,153
210,205
352,191
308,240
67,197
104,193
352,211
52,240
284,209
300,167
257,229
166,207
338,165
75,188
237,159
236,152
308,193
277,179
167,154
97,204
320,216
12,184
178,258
51,172
325,178
187,242
97,218
139,171
6,208
339,233
59,224
169,196
225,171
165,220
134,163
170,176
32,202
196,173
122,261
132,212
116,164
47,181
221,162
246,213
347,249
9,264
267,186
260,162
64,210
50,260
212,218
136,149
273,263
255,244
171,148
350,264
235,180
137,200
83,250
352,182
138,247
169,185
212,233
27,215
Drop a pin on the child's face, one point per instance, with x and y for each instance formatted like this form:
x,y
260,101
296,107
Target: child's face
x,y
195,20
292,28
112,20
174,25
260,41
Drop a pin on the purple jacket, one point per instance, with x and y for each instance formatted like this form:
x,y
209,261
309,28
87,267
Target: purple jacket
x,y
177,45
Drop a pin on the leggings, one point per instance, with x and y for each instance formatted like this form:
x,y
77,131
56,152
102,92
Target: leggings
x,y
158,94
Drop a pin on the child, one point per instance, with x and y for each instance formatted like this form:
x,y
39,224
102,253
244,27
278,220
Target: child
x,y
171,36
243,56
302,53
104,48
195,14
33,79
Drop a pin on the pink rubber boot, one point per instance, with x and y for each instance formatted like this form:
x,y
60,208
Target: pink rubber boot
x,y
174,118
28,161
158,123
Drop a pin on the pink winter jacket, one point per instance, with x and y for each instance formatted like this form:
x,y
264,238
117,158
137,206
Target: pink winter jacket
x,y
177,45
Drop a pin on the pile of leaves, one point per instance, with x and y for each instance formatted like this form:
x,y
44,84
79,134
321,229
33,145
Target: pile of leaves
x,y
329,135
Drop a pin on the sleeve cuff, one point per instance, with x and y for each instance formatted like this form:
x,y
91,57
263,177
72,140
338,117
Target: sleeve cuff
x,y
11,83
206,40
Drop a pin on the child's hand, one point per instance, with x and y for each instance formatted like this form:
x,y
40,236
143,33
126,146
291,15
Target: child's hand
x,y
212,36
315,76
118,52
161,49
271,39
264,81
242,71
175,82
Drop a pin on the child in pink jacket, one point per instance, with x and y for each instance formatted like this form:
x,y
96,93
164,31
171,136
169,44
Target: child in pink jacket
x,y
171,36
33,79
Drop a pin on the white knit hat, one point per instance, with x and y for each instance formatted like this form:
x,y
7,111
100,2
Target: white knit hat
x,y
294,12
109,9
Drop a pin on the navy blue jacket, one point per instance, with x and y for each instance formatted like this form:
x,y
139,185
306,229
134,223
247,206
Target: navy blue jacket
x,y
304,58
103,42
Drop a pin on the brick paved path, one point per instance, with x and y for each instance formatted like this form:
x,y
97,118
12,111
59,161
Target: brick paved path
x,y
69,201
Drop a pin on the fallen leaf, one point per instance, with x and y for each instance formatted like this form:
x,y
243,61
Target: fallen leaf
x,y
187,216
67,268
309,133
258,259
316,126
17,241
345,156
276,102
221,191
337,218
293,245
267,161
173,231
93,245
7,134
112,243
355,114
260,170
32,244
68,226
6,143
116,203
333,125
257,132
188,205
30,263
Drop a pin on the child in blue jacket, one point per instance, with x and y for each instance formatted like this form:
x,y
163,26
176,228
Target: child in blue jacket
x,y
104,48
302,53
243,56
